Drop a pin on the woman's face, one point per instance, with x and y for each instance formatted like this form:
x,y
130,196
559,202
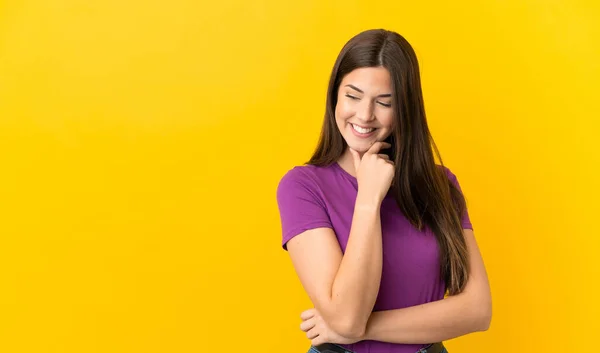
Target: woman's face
x,y
364,112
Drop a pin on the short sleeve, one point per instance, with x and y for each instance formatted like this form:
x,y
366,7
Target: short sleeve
x,y
465,219
300,206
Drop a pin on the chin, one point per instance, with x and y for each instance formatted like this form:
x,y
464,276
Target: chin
x,y
360,147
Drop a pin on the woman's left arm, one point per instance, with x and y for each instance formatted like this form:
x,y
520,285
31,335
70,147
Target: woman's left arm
x,y
451,317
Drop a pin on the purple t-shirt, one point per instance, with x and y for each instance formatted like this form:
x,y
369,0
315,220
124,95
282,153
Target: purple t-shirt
x,y
313,197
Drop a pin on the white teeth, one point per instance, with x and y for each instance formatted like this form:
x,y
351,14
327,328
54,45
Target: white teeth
x,y
361,130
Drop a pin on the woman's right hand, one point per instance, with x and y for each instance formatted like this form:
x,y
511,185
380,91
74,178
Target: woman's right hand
x,y
374,172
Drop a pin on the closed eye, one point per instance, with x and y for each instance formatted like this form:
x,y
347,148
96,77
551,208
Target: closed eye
x,y
387,105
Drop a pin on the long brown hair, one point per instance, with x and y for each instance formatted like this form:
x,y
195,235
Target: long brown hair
x,y
422,190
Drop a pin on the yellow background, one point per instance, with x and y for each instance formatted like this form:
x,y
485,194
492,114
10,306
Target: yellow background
x,y
141,143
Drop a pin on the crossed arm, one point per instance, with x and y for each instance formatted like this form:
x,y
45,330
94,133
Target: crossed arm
x,y
451,317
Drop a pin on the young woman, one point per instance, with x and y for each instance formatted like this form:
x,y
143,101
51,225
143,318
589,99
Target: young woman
x,y
377,232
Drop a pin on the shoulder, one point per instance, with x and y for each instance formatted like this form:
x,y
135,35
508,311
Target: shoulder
x,y
304,176
452,178
446,171
299,173
450,175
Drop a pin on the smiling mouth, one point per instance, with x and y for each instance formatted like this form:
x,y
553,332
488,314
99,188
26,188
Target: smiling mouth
x,y
362,130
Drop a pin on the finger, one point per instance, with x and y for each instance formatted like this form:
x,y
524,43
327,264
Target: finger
x,y
312,334
307,314
384,156
318,341
355,158
378,146
308,324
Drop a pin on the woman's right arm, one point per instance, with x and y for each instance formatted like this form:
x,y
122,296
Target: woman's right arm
x,y
344,288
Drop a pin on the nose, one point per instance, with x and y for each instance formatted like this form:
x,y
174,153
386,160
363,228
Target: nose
x,y
364,111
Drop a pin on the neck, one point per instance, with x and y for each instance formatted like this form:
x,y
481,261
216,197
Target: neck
x,y
347,163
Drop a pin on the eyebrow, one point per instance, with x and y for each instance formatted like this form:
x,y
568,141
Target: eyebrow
x,y
359,90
